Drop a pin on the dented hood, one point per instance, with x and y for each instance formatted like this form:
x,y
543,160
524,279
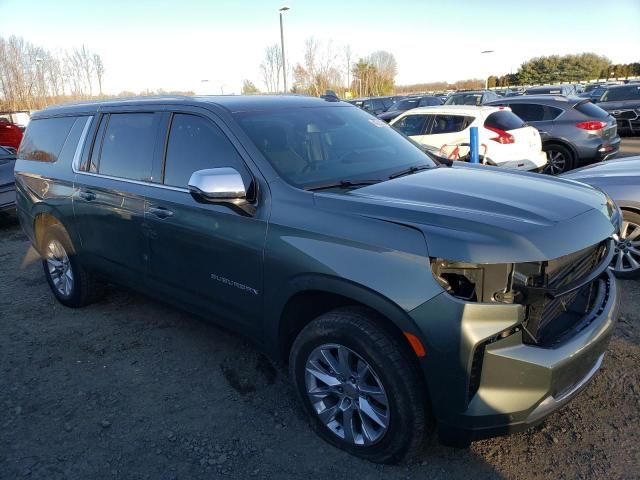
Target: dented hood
x,y
491,215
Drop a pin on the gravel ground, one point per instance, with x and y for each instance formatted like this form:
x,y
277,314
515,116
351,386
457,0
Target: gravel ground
x,y
129,388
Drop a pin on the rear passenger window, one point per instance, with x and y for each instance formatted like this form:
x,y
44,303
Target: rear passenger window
x,y
531,112
411,125
450,124
196,143
504,120
45,138
127,148
590,110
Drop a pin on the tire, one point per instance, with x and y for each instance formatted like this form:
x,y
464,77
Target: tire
x,y
71,284
392,379
627,247
560,159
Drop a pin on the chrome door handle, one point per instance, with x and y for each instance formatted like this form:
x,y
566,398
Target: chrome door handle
x,y
160,212
86,195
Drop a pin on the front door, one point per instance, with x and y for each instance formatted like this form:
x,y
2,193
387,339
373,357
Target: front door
x,y
205,256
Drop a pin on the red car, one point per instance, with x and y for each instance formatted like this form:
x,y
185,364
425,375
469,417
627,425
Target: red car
x,y
10,134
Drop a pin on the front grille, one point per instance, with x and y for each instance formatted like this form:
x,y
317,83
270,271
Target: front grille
x,y
625,114
549,318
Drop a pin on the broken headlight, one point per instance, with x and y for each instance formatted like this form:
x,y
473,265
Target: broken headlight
x,y
475,282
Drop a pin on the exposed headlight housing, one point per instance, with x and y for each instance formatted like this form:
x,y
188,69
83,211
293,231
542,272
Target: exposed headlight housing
x,y
476,282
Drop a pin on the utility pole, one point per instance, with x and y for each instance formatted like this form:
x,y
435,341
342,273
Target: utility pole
x,y
284,64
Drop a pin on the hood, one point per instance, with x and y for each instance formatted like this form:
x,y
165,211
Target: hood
x,y
619,105
623,167
490,215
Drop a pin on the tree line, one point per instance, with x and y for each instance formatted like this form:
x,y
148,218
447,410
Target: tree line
x,y
566,68
32,77
326,67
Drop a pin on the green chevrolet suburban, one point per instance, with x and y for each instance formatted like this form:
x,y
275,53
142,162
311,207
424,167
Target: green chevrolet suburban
x,y
407,297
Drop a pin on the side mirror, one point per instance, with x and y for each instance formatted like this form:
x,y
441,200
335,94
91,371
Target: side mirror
x,y
221,185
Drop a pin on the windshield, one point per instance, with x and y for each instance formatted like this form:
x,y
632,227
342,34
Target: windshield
x,y
465,99
404,105
621,93
309,146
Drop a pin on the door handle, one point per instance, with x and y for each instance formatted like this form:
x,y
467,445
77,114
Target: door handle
x,y
87,195
160,212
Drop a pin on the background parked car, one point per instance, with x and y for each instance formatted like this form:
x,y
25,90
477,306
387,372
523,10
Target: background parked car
x,y
505,140
375,105
7,180
407,104
471,97
574,131
10,134
623,102
20,118
620,179
551,90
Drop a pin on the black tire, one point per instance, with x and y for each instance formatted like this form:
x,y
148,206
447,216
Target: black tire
x,y
356,329
86,288
564,155
634,221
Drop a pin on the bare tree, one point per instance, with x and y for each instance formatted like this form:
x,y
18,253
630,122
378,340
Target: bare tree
x,y
319,71
98,67
271,68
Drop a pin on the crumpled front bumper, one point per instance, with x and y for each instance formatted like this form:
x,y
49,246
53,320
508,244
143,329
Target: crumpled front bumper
x,y
520,384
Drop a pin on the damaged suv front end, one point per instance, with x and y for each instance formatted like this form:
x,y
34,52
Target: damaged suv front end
x,y
527,335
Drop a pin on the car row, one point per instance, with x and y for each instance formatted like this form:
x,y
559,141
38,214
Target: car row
x,y
408,296
7,181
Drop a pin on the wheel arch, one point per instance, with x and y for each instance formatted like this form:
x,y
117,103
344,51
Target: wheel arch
x,y
44,217
563,143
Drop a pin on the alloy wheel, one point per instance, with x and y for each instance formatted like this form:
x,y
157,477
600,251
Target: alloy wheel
x,y
556,162
347,394
59,268
627,249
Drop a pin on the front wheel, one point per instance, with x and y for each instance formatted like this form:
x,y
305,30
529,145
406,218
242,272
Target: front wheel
x,y
357,384
626,259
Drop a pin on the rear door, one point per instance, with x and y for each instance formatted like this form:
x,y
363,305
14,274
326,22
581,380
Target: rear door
x,y
110,190
205,256
539,116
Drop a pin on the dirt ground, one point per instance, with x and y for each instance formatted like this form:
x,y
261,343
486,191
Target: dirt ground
x,y
129,388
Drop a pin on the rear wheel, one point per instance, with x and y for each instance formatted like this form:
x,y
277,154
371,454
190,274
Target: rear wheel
x,y
559,159
358,386
626,260
71,283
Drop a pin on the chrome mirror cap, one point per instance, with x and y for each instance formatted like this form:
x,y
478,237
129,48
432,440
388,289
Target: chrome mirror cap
x,y
223,183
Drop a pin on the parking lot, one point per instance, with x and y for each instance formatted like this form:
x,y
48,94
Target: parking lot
x,y
130,388
630,146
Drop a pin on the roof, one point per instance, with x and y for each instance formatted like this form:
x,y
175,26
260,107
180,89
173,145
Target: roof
x,y
545,99
232,103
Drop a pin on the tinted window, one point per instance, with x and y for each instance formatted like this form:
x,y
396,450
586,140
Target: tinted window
x,y
404,105
430,101
127,148
45,138
465,99
387,102
308,146
196,143
621,93
378,104
411,125
450,123
531,112
590,110
504,120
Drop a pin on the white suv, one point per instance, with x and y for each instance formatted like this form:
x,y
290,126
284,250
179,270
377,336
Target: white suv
x,y
505,140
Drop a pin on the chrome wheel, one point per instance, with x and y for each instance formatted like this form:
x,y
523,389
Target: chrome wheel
x,y
627,249
59,268
347,395
556,162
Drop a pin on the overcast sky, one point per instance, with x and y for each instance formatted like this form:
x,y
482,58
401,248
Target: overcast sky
x,y
175,44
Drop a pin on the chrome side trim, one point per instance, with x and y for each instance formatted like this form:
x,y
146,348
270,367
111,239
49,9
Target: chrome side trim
x,y
135,182
75,163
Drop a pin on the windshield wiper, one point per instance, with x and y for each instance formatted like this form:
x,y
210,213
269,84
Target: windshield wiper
x,y
342,184
409,171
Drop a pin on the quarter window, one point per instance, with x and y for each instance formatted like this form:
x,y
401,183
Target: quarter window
x,y
127,148
196,143
531,112
450,124
45,138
